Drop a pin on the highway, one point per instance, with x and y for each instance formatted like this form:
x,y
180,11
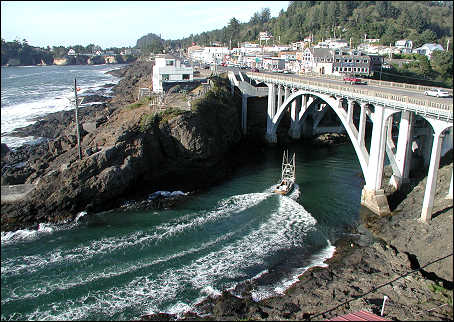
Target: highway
x,y
389,90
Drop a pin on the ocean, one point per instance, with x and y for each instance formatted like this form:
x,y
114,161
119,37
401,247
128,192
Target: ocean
x,y
32,91
120,265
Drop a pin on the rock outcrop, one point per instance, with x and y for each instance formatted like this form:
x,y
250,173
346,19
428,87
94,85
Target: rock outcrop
x,y
132,152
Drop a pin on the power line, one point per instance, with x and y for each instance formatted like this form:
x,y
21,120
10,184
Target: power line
x,y
378,287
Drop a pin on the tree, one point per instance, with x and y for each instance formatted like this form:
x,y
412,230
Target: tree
x,y
383,8
265,15
424,66
441,62
233,30
255,19
419,20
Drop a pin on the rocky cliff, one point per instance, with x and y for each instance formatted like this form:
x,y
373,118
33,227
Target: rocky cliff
x,y
133,151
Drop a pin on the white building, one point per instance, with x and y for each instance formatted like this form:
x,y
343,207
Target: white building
x,y
427,49
169,69
332,43
405,46
264,35
71,52
273,63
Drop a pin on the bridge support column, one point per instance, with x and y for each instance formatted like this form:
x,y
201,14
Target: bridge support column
x,y
403,152
431,184
244,113
350,112
271,137
279,96
295,130
286,92
372,196
362,125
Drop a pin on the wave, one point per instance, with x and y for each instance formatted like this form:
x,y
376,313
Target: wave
x,y
155,283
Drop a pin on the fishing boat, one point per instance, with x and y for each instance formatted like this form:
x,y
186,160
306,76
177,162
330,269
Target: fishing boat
x,y
288,175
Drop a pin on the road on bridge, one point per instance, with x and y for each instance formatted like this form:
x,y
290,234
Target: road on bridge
x,y
389,90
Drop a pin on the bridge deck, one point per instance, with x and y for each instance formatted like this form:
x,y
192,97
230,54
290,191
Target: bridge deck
x,y
385,95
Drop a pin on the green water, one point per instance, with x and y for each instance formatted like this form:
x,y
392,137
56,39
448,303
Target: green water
x,y
119,266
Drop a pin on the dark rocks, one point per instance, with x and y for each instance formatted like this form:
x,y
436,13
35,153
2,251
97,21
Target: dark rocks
x,y
133,76
329,139
4,151
124,158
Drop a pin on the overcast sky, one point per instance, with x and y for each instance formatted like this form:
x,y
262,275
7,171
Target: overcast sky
x,y
119,23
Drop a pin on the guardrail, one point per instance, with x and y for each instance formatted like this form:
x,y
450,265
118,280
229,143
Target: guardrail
x,y
425,107
379,83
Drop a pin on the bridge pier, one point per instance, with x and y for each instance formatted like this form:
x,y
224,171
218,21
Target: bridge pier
x,y
271,111
244,98
373,196
431,184
295,130
403,151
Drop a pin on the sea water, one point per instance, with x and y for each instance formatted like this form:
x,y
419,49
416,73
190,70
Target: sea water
x,y
32,91
120,265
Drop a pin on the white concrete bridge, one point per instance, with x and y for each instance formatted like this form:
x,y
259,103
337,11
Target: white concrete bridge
x,y
382,105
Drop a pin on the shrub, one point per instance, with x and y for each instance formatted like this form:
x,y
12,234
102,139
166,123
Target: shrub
x,y
143,101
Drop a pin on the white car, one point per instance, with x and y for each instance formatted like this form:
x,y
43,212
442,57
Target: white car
x,y
437,92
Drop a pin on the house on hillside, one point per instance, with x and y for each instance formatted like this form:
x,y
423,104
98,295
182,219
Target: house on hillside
x,y
427,49
168,69
405,46
264,35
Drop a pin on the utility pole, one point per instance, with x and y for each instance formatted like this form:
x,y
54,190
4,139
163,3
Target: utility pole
x,y
77,121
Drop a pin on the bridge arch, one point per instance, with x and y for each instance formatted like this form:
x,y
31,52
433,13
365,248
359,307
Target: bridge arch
x,y
334,103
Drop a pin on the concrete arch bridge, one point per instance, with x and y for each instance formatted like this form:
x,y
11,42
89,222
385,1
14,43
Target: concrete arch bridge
x,y
381,105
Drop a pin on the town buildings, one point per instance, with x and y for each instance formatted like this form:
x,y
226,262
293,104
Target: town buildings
x,y
331,56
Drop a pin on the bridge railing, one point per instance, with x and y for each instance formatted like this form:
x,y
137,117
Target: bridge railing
x,y
352,89
379,83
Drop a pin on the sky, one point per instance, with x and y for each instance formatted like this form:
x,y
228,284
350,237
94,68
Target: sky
x,y
120,23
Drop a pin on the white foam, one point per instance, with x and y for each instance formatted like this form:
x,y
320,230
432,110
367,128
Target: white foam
x,y
154,290
80,215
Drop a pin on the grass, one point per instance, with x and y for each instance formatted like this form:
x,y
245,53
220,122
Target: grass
x,y
143,101
437,288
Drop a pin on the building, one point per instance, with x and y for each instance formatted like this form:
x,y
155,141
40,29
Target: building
x,y
71,52
427,49
356,62
332,43
168,69
317,60
273,63
405,46
264,35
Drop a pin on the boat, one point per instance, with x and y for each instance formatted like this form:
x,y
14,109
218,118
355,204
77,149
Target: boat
x,y
288,175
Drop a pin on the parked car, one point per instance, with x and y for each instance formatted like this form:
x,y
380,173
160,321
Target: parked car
x,y
352,80
438,92
243,67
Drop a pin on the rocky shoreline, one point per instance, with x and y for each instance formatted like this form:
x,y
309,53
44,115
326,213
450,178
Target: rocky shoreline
x,y
118,142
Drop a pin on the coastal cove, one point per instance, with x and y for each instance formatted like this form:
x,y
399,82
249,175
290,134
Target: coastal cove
x,y
111,262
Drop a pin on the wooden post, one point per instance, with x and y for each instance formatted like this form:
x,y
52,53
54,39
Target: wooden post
x,y
77,121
